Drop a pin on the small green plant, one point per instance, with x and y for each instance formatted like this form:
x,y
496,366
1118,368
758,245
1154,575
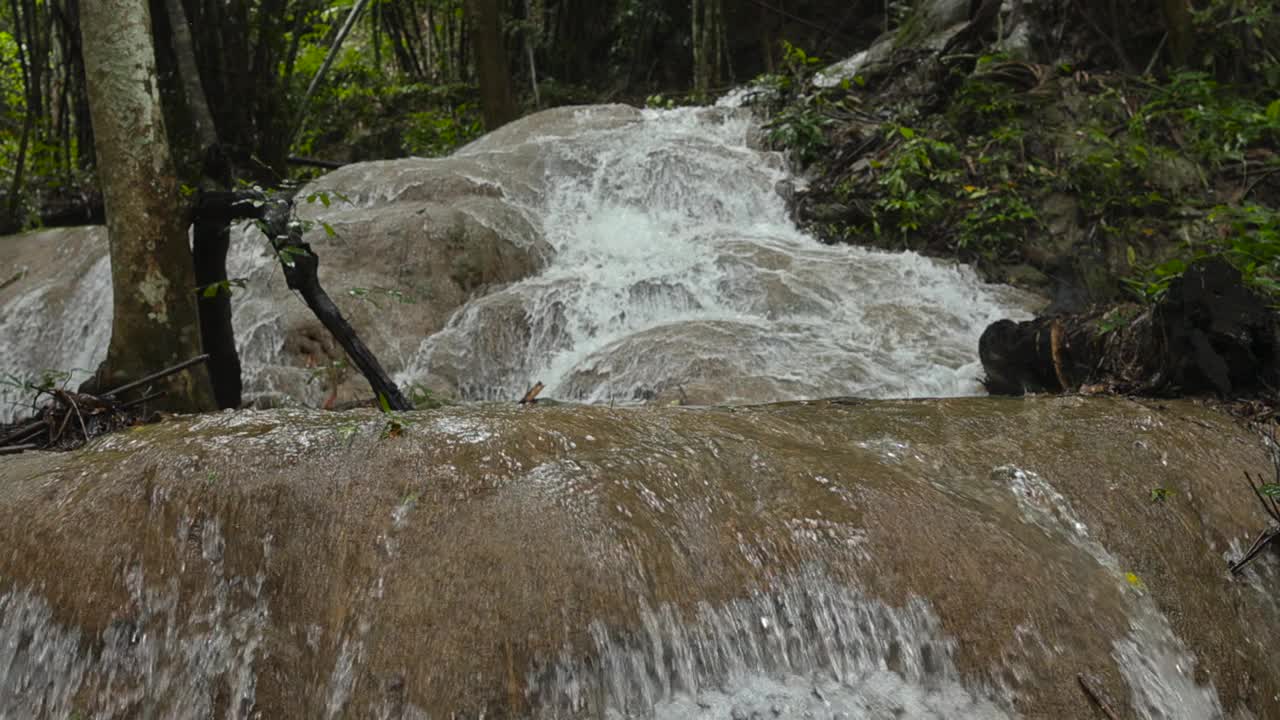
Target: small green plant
x,y
423,398
213,290
1116,319
913,181
347,432
1160,494
1152,283
371,295
396,423
801,130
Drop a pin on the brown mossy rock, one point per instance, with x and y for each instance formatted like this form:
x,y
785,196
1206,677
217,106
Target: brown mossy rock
x,y
305,565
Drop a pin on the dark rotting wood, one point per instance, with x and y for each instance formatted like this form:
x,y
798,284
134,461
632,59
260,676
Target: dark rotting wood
x,y
1095,693
73,418
23,432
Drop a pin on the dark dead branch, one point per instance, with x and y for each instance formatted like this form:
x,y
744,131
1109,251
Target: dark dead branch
x,y
301,264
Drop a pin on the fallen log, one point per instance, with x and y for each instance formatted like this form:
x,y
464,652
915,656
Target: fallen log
x,y
1208,335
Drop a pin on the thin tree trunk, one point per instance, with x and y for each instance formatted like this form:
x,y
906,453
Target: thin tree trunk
x,y
15,190
496,101
528,48
153,287
189,72
1177,20
352,17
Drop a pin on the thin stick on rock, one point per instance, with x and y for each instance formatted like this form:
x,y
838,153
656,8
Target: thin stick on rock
x,y
1095,694
156,376
531,396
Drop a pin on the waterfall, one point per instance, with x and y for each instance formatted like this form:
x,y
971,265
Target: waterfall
x,y
679,274
675,275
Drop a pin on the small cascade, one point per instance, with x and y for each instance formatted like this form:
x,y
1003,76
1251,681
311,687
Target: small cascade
x,y
55,334
679,274
172,656
1158,667
806,648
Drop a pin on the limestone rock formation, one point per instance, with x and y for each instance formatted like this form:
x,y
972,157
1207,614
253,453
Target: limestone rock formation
x,y
965,558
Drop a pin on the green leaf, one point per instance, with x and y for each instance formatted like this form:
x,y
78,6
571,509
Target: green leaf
x,y
1273,111
384,403
328,229
1131,256
1271,490
906,132
1175,266
210,291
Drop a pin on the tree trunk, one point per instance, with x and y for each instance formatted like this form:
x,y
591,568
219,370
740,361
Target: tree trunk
x,y
496,100
153,287
1177,21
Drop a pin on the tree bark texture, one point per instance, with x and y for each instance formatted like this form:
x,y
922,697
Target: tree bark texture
x,y
154,321
497,101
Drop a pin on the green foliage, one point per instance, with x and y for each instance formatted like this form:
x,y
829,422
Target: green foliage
x,y
396,423
439,131
996,224
1238,39
212,290
983,102
1214,123
423,398
915,181
1250,240
1160,494
1150,284
1115,319
801,129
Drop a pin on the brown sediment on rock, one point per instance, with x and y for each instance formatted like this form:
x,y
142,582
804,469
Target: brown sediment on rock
x,y
446,565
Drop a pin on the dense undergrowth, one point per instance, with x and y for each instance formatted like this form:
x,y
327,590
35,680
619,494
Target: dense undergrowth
x,y
1084,184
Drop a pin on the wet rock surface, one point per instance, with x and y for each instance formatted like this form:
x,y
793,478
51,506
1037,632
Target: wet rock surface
x,y
967,557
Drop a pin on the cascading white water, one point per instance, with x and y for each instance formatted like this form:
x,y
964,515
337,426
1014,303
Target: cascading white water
x,y
676,275
678,269
806,648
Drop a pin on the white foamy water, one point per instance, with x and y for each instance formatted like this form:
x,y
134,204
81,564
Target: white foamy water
x,y
1154,661
677,270
805,648
676,275
50,331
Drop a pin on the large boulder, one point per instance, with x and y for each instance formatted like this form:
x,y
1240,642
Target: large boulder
x,y
966,558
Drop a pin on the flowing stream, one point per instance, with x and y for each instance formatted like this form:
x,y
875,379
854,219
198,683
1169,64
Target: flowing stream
x,y
675,277
678,273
